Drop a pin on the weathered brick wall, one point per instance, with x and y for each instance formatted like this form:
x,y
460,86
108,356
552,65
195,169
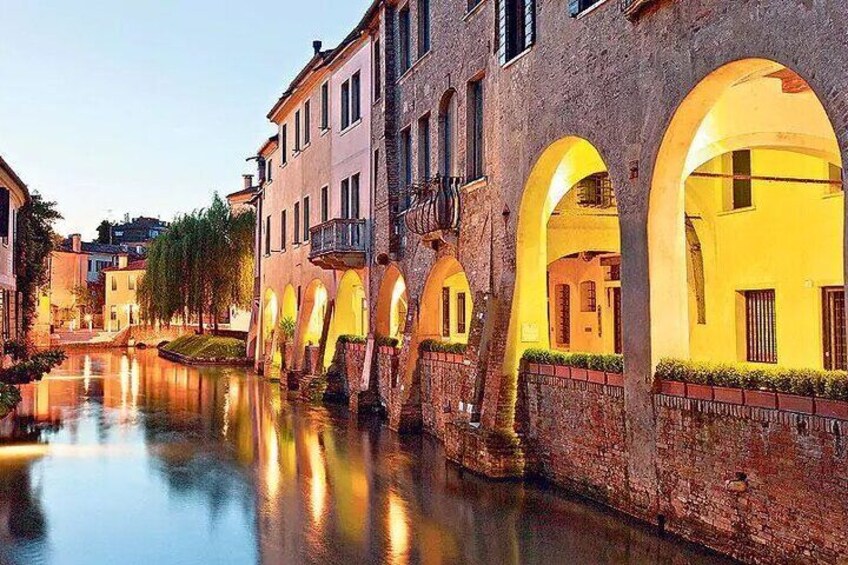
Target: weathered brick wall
x,y
387,373
761,485
446,391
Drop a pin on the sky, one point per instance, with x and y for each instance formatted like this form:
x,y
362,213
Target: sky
x,y
147,107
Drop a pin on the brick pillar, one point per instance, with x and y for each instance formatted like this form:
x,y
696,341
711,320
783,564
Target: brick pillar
x,y
405,408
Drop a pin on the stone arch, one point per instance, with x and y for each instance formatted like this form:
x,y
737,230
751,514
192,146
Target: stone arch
x,y
270,310
445,321
392,304
766,111
559,168
349,313
310,321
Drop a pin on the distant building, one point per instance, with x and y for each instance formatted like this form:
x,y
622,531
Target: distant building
x,y
121,308
240,202
140,231
13,195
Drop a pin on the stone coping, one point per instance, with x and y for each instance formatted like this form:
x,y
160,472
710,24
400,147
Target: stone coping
x,y
186,360
454,358
576,374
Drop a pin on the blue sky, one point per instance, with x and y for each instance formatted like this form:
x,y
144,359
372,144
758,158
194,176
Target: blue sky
x,y
147,106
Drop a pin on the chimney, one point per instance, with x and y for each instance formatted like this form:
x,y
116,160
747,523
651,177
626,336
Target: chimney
x,y
123,260
248,181
76,243
316,46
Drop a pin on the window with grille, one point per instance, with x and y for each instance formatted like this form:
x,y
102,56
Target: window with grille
x,y
833,323
588,296
461,326
760,326
562,306
446,317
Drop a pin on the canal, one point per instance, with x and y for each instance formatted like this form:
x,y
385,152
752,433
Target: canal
x,y
125,458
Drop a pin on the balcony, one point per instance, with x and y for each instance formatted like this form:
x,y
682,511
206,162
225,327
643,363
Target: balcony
x,y
434,206
338,244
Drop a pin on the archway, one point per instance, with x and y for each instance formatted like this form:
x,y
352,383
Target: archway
x,y
392,304
350,314
310,323
746,222
269,319
567,285
446,303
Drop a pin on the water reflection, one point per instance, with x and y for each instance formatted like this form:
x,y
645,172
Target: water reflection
x,y
127,458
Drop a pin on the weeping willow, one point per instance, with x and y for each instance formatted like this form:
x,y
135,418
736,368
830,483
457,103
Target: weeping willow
x,y
200,267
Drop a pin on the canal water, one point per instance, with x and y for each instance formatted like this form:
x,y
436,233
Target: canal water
x,y
123,458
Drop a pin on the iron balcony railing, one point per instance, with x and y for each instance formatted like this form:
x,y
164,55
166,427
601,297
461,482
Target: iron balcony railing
x,y
339,235
434,205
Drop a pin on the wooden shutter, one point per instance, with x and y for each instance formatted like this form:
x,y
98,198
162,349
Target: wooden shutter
x,y
529,23
501,22
573,7
4,212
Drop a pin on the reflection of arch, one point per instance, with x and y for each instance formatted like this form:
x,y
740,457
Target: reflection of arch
x,y
269,315
310,323
392,303
744,105
447,134
562,165
441,314
349,313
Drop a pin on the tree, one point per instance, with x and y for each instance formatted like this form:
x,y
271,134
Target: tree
x,y
91,297
37,238
200,267
104,232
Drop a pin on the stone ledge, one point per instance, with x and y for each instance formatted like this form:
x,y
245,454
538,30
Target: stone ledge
x,y
186,360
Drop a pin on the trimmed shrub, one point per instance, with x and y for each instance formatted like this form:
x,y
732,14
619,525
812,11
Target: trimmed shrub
x,y
383,341
436,346
207,347
347,338
608,363
803,382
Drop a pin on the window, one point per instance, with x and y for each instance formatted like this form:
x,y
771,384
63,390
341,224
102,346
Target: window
x,y
833,310
270,167
447,138
325,106
345,198
760,326
284,143
268,235
114,283
90,266
405,43
575,7
345,104
307,119
297,131
834,175
378,71
741,179
460,313
325,204
283,228
516,27
446,318
424,147
355,95
405,158
306,219
473,4
131,282
113,313
423,27
588,296
562,310
296,237
476,164
354,196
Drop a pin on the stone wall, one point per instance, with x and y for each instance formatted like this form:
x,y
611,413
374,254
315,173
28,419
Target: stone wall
x,y
759,484
447,391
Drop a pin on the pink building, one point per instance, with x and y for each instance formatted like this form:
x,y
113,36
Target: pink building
x,y
13,195
313,208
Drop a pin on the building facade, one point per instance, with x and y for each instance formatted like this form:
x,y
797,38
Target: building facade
x,y
121,308
651,178
14,194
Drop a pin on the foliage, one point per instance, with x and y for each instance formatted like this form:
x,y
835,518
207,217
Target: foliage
x,y
10,397
200,267
104,232
436,346
287,328
347,338
208,347
91,297
384,341
16,349
36,239
608,363
33,367
805,382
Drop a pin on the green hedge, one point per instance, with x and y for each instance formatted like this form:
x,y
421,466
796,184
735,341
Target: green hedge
x,y
383,341
10,396
805,382
607,363
436,346
347,338
207,347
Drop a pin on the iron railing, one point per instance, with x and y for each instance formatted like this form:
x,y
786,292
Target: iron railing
x,y
337,236
434,205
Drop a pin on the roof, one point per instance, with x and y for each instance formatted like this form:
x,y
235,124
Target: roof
x,y
95,247
131,266
6,168
142,222
243,192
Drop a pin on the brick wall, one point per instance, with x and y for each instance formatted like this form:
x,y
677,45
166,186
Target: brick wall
x,y
447,391
761,485
387,373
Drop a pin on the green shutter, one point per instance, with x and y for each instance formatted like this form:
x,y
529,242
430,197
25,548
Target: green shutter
x,y
501,10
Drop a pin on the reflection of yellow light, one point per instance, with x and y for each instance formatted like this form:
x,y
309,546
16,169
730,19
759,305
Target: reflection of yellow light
x,y
86,373
318,485
71,451
398,524
272,465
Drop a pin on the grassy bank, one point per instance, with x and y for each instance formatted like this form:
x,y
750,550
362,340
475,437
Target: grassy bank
x,y
207,347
